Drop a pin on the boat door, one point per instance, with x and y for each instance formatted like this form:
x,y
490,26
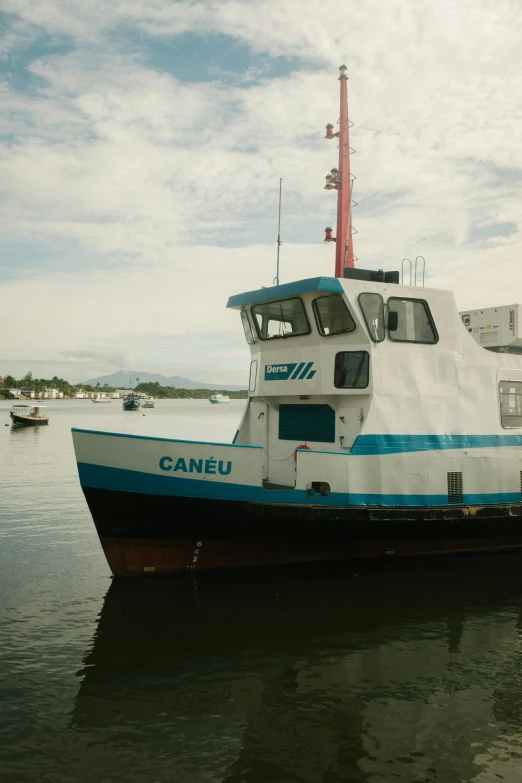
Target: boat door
x,y
349,422
259,429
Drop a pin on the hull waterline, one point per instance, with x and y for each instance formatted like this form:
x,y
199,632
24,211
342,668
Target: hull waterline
x,y
157,534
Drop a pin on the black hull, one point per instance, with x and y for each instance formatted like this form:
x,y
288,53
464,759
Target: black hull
x,y
27,421
163,534
133,405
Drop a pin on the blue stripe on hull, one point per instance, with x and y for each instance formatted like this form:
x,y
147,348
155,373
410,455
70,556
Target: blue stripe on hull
x,y
100,477
119,480
486,499
397,444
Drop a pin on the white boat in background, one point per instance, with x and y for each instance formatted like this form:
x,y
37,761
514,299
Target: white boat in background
x,y
219,399
147,402
101,399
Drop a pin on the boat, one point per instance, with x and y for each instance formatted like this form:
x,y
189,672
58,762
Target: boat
x,y
380,423
219,399
101,399
131,401
147,402
28,415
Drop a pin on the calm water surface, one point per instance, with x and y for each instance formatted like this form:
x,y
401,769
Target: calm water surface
x,y
406,672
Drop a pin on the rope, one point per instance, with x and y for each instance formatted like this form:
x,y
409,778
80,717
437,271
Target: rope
x,y
280,460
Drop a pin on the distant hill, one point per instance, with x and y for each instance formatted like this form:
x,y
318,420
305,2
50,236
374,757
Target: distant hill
x,y
120,380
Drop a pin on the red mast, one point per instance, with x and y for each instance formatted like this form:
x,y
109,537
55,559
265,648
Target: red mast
x,y
340,179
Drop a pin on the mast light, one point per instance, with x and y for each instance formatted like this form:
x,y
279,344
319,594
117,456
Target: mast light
x,y
342,72
330,131
328,234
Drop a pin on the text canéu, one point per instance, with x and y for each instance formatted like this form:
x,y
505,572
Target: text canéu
x,y
207,467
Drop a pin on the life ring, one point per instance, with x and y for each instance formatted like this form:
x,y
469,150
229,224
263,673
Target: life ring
x,y
302,447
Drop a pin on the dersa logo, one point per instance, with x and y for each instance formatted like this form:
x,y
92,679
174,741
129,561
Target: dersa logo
x,y
289,372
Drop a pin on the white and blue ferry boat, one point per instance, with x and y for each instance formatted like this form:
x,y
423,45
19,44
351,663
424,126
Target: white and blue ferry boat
x,y
380,423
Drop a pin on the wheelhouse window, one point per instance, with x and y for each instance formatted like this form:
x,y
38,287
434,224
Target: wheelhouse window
x,y
332,315
249,335
372,307
412,323
510,403
352,370
286,318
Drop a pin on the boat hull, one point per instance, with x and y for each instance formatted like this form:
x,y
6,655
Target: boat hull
x,y
161,534
29,421
131,405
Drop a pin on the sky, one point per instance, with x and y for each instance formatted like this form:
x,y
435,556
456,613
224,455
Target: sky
x,y
142,142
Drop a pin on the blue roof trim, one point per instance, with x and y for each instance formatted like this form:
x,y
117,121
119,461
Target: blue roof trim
x,y
165,440
328,284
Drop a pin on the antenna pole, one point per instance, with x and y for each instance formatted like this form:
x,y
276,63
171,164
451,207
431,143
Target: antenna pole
x,y
340,179
276,279
344,245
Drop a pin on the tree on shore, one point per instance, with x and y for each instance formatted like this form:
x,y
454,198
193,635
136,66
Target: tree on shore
x,y
37,385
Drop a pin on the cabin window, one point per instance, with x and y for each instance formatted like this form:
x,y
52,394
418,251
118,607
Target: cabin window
x,y
510,403
247,328
352,370
286,318
413,322
372,307
332,315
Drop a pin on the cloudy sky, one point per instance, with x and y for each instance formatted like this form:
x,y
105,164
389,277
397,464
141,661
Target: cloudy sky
x,y
142,141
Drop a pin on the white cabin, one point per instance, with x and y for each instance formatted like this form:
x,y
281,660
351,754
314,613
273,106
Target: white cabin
x,y
388,376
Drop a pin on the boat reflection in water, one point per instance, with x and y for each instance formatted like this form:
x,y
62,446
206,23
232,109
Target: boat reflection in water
x,y
408,673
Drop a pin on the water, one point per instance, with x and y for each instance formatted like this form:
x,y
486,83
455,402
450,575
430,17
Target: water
x,y
405,671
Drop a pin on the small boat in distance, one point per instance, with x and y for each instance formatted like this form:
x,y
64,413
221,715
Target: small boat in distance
x,y
217,399
101,399
28,415
147,402
131,401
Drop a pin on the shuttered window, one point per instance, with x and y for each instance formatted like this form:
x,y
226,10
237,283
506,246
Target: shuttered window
x,y
307,423
455,487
